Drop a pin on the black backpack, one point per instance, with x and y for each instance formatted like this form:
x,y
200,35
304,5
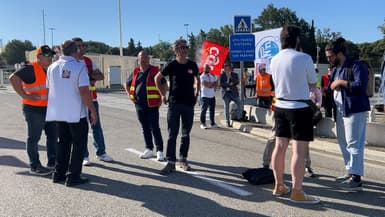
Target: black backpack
x,y
259,176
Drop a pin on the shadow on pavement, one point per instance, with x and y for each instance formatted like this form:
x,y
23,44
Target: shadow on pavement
x,y
162,200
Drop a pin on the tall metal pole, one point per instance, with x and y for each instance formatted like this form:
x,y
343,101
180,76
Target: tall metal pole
x,y
43,27
186,25
120,29
51,29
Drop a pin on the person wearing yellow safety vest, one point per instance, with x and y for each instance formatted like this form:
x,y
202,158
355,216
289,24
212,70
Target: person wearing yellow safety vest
x,y
264,87
95,75
29,82
141,89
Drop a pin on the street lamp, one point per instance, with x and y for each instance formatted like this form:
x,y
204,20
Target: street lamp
x,y
120,29
318,50
51,29
186,25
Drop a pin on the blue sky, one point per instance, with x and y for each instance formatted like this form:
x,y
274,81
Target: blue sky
x,y
153,20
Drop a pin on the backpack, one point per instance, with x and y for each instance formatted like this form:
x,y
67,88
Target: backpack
x,y
370,86
259,176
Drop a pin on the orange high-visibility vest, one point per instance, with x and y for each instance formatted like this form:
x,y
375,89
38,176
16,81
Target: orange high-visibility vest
x,y
262,85
153,94
38,87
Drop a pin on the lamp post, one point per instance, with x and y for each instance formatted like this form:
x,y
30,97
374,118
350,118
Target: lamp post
x,y
318,50
186,25
120,29
51,29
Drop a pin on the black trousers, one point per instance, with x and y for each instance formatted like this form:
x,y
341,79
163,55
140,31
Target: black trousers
x,y
71,148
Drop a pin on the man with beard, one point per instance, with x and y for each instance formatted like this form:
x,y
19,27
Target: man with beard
x,y
348,84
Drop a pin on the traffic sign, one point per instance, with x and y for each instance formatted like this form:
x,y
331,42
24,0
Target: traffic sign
x,y
242,47
242,24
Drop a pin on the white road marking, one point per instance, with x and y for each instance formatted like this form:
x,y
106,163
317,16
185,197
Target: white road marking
x,y
218,183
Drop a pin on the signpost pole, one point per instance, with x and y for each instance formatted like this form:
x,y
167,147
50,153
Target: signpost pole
x,y
241,66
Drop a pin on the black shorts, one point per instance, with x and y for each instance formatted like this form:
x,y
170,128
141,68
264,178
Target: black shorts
x,y
295,124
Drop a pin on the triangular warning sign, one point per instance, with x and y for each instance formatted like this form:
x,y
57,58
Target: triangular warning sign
x,y
242,26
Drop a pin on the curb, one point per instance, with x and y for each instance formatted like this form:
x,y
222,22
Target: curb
x,y
324,145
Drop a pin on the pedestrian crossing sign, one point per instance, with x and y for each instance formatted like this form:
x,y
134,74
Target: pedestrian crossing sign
x,y
242,24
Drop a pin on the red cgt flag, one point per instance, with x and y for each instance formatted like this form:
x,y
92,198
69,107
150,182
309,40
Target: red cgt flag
x,y
214,55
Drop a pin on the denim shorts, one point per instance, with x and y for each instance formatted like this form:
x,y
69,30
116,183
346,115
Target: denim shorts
x,y
295,124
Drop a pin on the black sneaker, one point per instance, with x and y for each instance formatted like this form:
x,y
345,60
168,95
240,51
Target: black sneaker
x,y
51,165
184,165
75,181
169,168
309,172
56,178
40,171
351,185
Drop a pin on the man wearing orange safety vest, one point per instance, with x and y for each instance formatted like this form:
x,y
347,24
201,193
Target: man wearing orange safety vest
x,y
264,87
95,75
30,83
141,89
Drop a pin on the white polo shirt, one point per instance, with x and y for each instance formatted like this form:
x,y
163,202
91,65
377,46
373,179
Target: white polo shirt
x,y
64,77
292,72
206,91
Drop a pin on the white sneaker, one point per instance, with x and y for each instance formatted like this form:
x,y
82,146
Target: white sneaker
x,y
159,156
203,126
147,154
105,157
86,162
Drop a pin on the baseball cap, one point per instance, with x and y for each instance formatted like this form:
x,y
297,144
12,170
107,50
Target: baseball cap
x,y
261,66
44,51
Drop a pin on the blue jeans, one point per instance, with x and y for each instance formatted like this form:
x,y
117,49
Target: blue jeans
x,y
175,113
97,133
35,122
149,119
210,104
237,101
351,134
72,145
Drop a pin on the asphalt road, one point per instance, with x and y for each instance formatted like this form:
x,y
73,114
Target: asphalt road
x,y
131,186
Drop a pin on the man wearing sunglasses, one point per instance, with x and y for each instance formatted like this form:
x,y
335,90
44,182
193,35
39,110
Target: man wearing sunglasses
x,y
184,80
95,75
29,83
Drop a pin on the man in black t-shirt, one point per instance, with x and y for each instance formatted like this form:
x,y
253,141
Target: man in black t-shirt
x,y
183,74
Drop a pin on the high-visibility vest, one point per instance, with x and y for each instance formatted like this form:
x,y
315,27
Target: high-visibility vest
x,y
325,81
152,92
38,87
88,62
262,85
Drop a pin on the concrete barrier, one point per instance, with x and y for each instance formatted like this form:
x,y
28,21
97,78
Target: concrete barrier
x,y
326,128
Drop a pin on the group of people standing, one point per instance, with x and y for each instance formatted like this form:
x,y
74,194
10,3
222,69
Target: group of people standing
x,y
59,97
294,77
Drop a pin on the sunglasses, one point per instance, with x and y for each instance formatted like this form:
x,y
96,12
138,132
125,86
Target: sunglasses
x,y
82,45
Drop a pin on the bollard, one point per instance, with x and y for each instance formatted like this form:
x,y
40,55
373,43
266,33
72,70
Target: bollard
x,y
1,78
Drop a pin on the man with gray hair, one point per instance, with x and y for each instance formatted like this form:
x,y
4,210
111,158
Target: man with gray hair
x,y
68,100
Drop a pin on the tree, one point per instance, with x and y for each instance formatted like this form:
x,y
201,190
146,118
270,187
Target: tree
x,y
131,49
272,17
192,52
163,51
382,28
97,47
14,51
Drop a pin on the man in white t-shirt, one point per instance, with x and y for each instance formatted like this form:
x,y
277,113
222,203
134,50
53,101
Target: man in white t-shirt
x,y
209,83
293,72
68,100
